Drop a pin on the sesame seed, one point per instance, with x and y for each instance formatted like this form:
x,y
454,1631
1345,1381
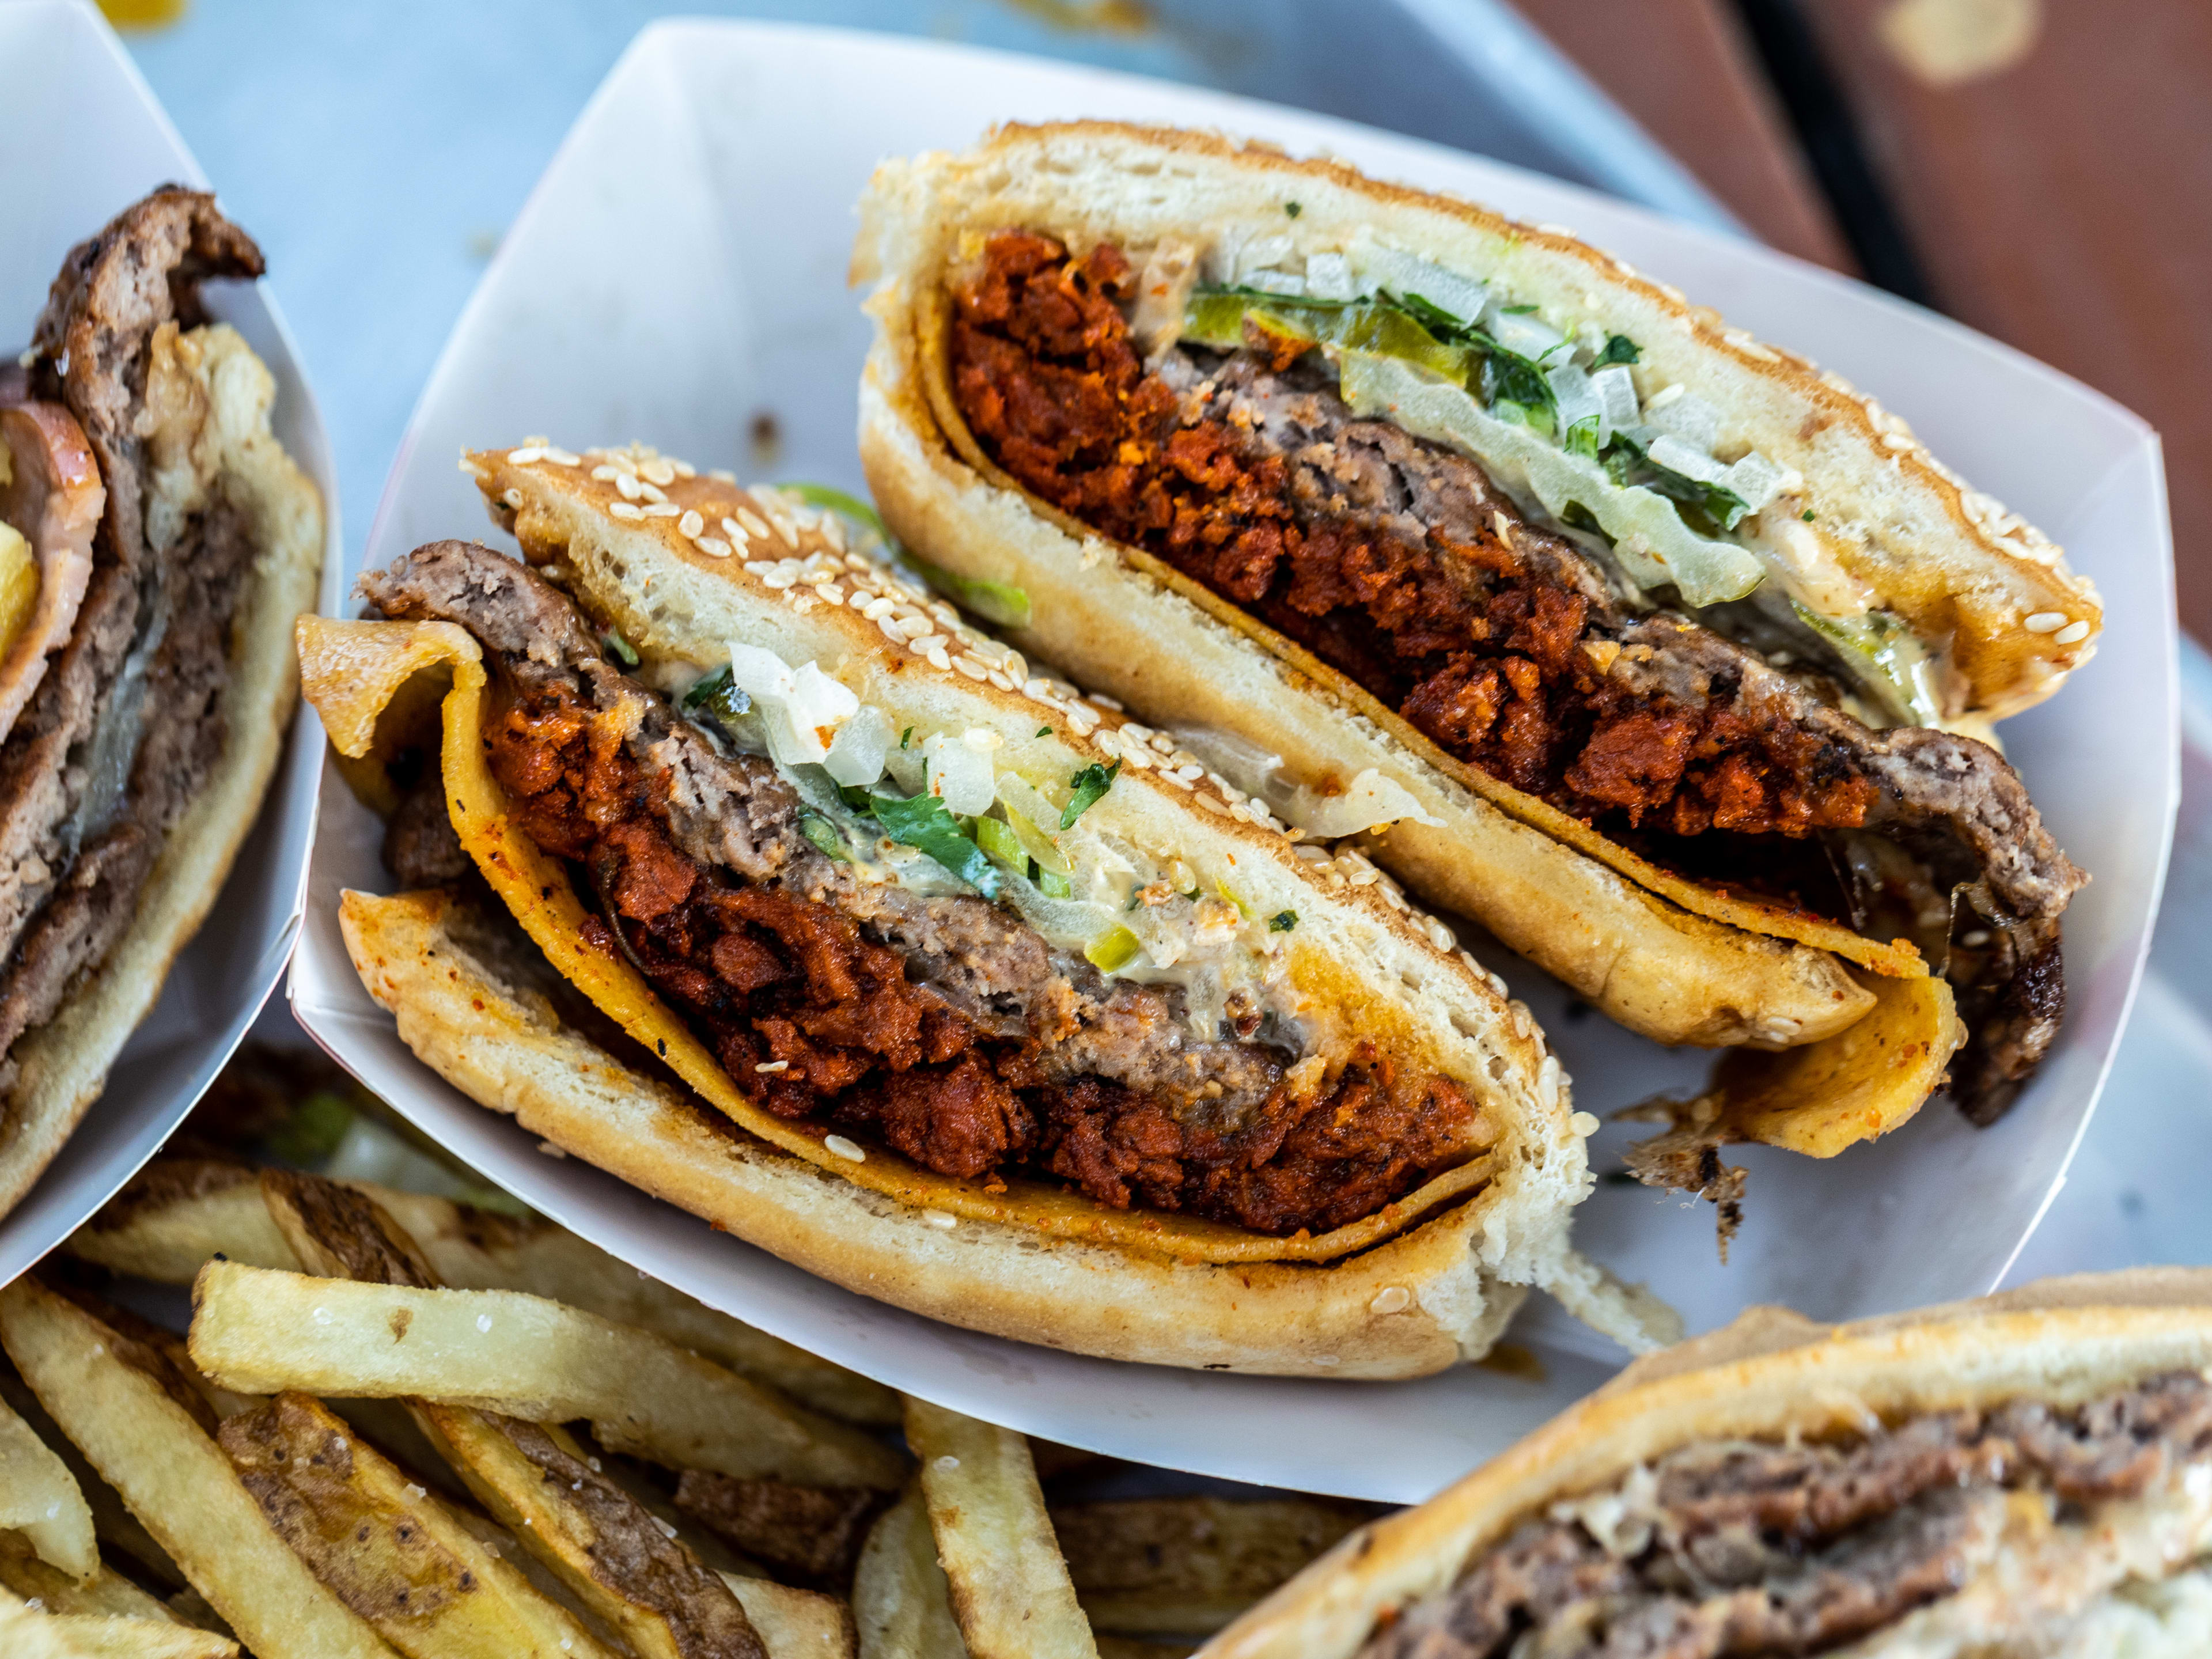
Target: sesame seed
x,y
714,546
849,1151
1439,935
1183,784
940,1219
684,469
926,644
768,1066
752,523
1393,1299
604,474
659,472
547,1149
563,457
690,527
1584,1124
484,1322
2045,622
663,510
939,658
512,496
778,579
631,488
969,667
722,475
2072,634
624,510
1209,803
652,493
525,456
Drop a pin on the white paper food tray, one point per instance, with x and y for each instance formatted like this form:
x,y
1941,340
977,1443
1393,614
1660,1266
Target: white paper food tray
x,y
84,138
679,272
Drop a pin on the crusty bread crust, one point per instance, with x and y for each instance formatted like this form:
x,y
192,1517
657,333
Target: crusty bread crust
x,y
464,1005
2063,1343
65,1062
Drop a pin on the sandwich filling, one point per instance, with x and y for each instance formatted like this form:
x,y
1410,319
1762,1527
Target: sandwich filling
x,y
127,722
852,981
1646,659
1951,1533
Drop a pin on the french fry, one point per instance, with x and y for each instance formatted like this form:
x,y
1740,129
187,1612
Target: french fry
x,y
1010,1590
29,1634
385,1547
808,1535
258,1331
39,1498
157,1453
1186,1566
107,1594
621,1563
794,1623
624,1565
902,1605
117,1529
178,1212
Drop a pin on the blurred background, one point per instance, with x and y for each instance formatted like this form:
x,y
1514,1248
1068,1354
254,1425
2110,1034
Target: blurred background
x,y
2039,169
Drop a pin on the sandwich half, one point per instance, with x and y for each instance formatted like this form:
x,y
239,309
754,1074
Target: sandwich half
x,y
156,544
1671,660
2026,1477
1012,1012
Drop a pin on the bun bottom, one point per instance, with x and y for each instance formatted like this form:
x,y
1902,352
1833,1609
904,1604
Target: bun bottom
x,y
471,1001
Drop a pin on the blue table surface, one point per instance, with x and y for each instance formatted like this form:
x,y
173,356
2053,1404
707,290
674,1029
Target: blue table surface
x,y
377,152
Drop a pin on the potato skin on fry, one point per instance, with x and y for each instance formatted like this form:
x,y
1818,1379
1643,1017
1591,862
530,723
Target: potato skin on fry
x,y
385,1547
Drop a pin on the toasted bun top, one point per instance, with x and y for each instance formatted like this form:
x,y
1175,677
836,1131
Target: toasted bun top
x,y
2062,1343
1961,571
1367,966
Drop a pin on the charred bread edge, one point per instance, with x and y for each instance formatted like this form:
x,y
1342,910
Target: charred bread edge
x,y
2063,1341
65,1062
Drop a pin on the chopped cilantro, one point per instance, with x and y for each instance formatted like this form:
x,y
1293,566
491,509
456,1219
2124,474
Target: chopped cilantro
x,y
1808,515
904,736
1619,349
1516,311
1089,785
705,687
1294,209
1581,438
823,834
1282,921
620,649
1044,731
923,823
856,798
1707,508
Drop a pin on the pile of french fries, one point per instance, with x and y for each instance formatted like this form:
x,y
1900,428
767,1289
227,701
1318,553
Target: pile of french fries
x,y
402,1424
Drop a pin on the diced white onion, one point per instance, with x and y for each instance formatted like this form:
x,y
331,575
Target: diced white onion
x,y
1577,399
959,776
856,756
1276,282
1672,452
1375,266
1262,253
1690,418
1616,390
1523,333
1371,800
1328,276
800,709
1757,479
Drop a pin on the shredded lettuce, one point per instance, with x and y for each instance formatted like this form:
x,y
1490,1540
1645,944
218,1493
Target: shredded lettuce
x,y
1282,921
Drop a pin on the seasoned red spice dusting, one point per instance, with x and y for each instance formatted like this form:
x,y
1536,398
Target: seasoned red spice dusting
x,y
767,974
1477,645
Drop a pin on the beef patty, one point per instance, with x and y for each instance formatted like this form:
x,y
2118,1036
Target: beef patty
x,y
1744,1549
1398,563
943,1026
